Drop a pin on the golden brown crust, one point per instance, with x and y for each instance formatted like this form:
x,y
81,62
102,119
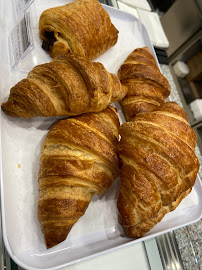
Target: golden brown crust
x,y
69,85
147,87
157,150
79,158
82,27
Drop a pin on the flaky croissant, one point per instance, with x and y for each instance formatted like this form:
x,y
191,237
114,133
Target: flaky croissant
x,y
157,150
147,87
78,159
69,85
82,27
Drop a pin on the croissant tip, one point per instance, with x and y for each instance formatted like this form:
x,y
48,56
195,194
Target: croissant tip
x,y
55,236
6,110
15,110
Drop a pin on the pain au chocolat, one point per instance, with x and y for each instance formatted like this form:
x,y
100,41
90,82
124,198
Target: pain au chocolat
x,y
83,27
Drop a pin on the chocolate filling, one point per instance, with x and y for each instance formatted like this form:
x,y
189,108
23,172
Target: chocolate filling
x,y
50,40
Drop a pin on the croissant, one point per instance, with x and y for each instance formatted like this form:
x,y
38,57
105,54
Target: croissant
x,y
69,85
82,27
147,87
159,168
78,159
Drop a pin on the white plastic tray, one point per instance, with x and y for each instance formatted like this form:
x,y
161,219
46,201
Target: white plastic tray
x,y
98,231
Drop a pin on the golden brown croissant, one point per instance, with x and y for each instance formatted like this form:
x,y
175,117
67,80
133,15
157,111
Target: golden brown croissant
x,y
147,87
82,27
69,85
159,168
78,159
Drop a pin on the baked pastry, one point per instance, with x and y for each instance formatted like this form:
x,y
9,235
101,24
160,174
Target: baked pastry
x,y
147,87
81,27
159,168
78,159
69,85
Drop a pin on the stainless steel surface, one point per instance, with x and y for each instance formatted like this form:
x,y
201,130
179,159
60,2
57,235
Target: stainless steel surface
x,y
106,2
199,4
153,254
181,22
189,48
186,51
198,130
169,252
114,4
194,42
